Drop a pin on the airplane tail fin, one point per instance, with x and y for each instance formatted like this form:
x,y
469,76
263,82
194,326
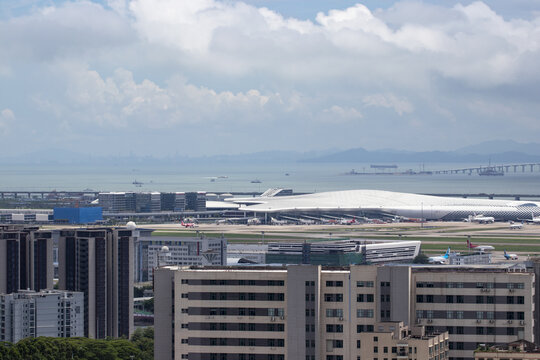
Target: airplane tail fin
x,y
447,253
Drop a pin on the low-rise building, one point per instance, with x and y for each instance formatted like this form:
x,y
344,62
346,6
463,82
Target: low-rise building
x,y
179,251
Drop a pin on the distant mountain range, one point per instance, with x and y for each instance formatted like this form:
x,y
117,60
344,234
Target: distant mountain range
x,y
496,152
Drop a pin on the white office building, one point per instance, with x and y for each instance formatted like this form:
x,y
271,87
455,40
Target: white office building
x,y
52,313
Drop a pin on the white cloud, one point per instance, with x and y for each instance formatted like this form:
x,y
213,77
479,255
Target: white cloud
x,y
7,118
120,101
338,114
209,64
399,105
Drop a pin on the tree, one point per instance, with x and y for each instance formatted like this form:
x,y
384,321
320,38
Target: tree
x,y
421,259
143,339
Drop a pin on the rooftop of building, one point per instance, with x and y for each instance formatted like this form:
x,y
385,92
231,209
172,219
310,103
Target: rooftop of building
x,y
415,268
520,346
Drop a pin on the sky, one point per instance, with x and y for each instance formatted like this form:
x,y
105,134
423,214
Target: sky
x,y
206,77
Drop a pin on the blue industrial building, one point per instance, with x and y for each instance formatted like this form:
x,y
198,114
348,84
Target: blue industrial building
x,y
82,215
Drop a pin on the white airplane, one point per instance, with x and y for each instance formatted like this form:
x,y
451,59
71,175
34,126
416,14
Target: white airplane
x,y
481,219
275,221
481,248
533,219
510,256
254,221
514,226
440,259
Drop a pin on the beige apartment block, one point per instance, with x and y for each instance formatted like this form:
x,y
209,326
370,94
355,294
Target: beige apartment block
x,y
394,340
322,313
476,305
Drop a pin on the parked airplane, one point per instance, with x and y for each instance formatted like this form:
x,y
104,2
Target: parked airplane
x,y
188,224
533,219
275,221
481,248
440,259
481,219
347,221
510,256
398,219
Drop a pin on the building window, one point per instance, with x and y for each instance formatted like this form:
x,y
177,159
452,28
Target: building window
x,y
510,315
479,315
449,299
509,299
459,299
479,299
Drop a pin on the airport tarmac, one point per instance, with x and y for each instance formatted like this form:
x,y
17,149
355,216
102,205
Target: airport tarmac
x,y
435,236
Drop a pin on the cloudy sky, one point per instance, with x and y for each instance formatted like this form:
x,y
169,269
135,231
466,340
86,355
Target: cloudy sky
x,y
202,77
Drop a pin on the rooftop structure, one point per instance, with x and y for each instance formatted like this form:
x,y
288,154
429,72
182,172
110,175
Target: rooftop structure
x,y
517,350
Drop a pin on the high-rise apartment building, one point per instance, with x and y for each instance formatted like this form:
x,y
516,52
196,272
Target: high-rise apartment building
x,y
52,313
320,313
26,260
99,263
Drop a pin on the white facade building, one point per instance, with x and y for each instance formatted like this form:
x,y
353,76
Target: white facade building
x,y
52,313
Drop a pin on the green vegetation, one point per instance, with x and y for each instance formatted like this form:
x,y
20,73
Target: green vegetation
x,y
140,347
421,259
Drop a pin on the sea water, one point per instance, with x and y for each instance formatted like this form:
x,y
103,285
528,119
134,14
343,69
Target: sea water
x,y
220,177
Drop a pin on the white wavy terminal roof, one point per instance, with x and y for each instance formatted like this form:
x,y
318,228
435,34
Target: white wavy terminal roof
x,y
365,200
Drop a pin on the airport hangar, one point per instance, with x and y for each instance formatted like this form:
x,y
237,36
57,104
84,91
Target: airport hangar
x,y
387,203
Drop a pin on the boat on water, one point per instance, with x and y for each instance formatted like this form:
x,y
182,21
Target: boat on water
x,y
256,181
137,183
